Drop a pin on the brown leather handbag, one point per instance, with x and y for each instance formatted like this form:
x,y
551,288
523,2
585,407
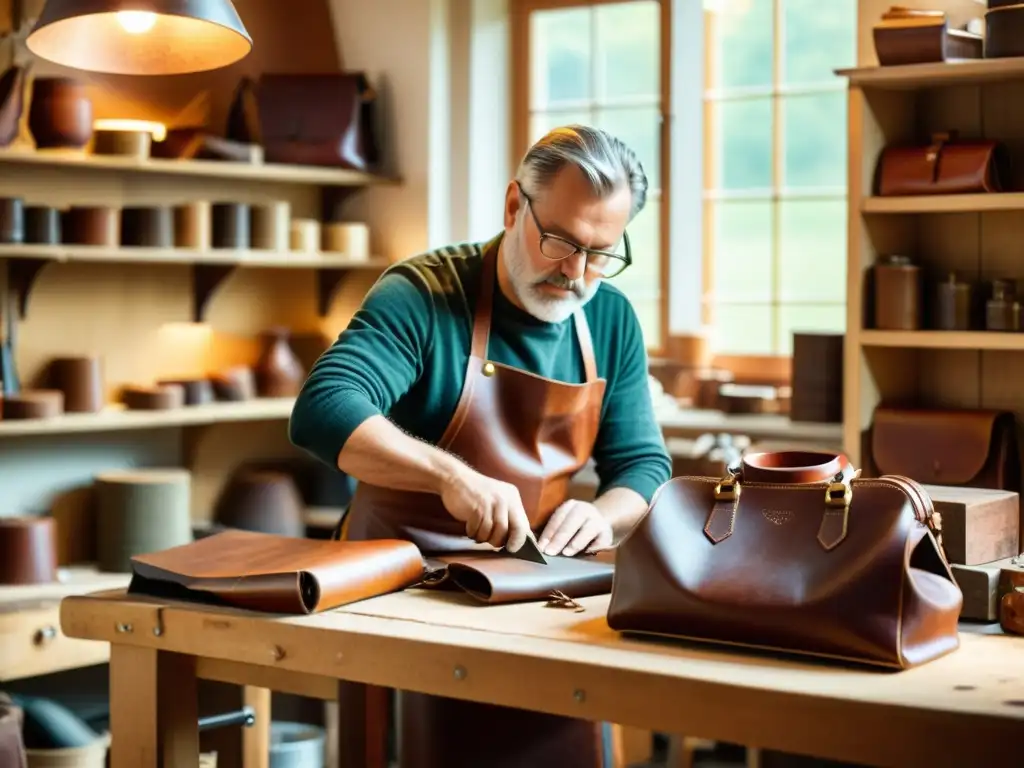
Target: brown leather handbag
x,y
974,448
791,552
947,165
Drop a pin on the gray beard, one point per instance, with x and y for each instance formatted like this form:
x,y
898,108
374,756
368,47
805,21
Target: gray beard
x,y
525,282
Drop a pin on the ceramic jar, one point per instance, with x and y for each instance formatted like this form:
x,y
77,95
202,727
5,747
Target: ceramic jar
x,y
278,370
60,116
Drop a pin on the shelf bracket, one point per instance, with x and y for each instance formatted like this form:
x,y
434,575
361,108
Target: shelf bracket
x,y
206,279
22,275
328,283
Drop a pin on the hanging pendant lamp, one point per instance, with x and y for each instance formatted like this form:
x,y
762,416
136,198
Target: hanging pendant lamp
x,y
140,37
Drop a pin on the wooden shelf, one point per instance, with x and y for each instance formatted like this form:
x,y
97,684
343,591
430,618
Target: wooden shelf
x,y
1004,201
30,633
116,418
245,258
943,339
269,172
916,76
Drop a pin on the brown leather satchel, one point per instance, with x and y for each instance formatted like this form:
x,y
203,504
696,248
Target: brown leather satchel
x,y
974,448
791,552
12,744
947,165
309,119
499,578
280,574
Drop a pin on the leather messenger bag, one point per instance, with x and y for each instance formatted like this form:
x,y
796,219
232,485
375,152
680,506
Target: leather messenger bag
x,y
792,552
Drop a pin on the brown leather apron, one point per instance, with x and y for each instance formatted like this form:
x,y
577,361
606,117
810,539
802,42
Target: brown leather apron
x,y
535,433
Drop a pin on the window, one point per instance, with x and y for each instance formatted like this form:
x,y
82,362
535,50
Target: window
x,y
600,63
775,178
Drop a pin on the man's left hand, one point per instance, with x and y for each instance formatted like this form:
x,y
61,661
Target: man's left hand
x,y
574,527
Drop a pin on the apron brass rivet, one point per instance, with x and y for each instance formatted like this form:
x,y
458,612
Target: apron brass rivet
x,y
579,695
460,673
488,369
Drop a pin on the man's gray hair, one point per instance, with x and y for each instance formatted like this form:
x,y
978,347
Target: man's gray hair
x,y
606,162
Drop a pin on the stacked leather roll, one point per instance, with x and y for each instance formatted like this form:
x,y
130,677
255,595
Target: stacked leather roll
x,y
141,511
28,550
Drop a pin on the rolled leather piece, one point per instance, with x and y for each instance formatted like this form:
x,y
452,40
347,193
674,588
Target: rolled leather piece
x,y
12,220
81,381
42,225
795,467
140,511
278,574
147,226
496,577
1004,31
92,225
28,550
271,225
231,227
235,384
162,397
34,404
193,226
197,391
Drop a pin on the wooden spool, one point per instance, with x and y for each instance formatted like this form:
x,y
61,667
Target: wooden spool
x,y
162,397
197,391
92,225
140,511
81,381
193,226
34,404
28,550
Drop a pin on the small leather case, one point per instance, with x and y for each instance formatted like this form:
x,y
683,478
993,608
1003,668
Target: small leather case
x,y
947,165
973,448
911,36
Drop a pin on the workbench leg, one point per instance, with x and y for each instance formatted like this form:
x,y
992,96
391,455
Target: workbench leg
x,y
154,721
363,725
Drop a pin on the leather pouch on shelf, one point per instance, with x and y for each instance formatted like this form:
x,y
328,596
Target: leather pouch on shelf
x,y
12,744
972,448
947,165
912,36
278,574
309,119
493,577
791,552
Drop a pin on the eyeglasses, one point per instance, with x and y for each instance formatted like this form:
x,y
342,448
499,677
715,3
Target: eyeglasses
x,y
605,263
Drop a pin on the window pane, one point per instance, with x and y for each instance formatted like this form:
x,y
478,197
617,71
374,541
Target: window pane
x,y
816,317
814,128
628,45
560,56
742,137
741,43
818,38
542,122
742,251
742,329
640,128
642,281
813,250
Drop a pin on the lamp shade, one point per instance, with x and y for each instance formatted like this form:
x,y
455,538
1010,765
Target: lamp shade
x,y
140,37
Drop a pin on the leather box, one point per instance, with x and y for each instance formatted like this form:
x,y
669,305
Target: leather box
x,y
979,525
909,36
983,587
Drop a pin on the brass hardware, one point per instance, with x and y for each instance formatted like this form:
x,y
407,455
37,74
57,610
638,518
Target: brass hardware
x,y
838,495
727,489
488,369
45,634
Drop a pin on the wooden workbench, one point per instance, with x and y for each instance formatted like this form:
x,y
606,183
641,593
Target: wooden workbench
x,y
966,709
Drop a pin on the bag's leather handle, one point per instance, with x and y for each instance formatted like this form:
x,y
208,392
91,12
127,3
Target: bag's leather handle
x,y
787,468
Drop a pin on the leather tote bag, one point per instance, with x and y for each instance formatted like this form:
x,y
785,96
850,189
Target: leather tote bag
x,y
792,552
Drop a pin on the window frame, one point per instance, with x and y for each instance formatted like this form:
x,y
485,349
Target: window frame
x,y
752,367
520,72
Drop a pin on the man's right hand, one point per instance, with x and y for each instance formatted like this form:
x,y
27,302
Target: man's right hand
x,y
491,509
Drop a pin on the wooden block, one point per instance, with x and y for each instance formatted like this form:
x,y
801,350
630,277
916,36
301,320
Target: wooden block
x,y
979,525
984,586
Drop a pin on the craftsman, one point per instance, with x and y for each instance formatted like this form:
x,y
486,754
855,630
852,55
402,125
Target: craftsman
x,y
476,379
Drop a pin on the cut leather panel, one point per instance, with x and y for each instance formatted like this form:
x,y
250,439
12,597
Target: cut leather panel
x,y
279,574
495,578
944,447
793,467
771,584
